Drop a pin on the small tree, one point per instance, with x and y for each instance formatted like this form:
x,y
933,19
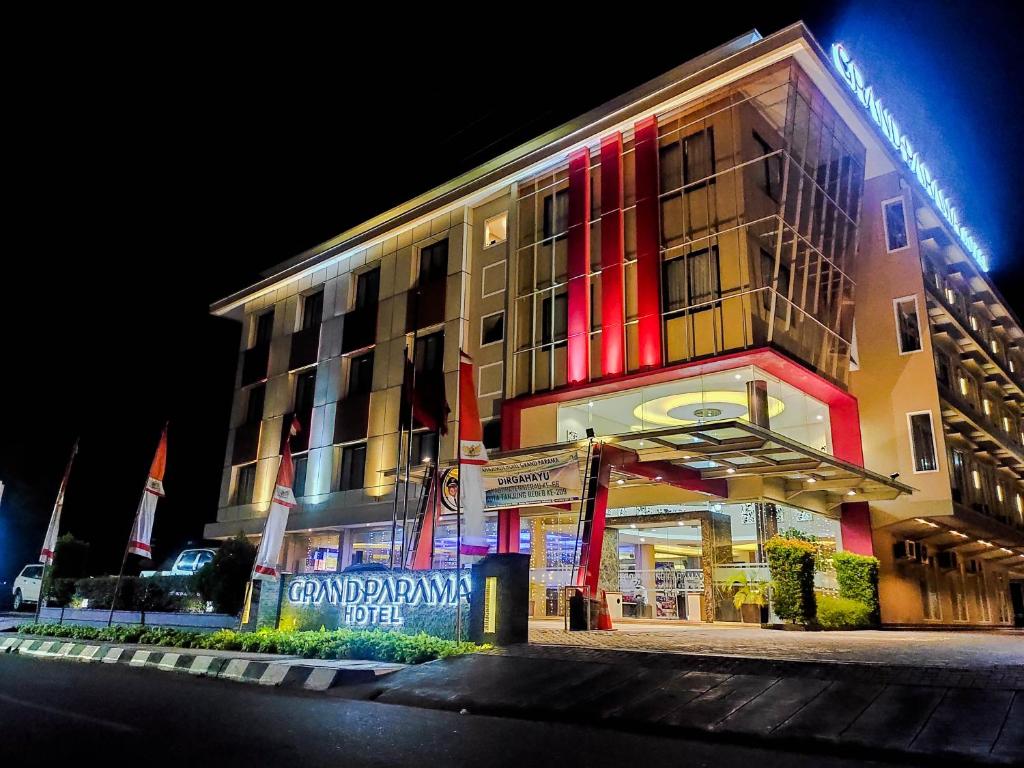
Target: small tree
x,y
857,577
791,563
70,558
224,578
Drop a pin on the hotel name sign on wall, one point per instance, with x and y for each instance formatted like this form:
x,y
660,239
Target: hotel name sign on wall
x,y
852,75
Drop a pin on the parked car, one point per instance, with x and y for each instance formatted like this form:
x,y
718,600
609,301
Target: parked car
x,y
27,585
185,564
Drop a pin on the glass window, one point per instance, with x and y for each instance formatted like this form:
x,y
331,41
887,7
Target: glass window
x,y
264,328
492,434
322,553
305,387
492,328
312,310
695,274
770,179
699,156
245,484
922,442
299,485
556,214
360,374
895,225
429,353
374,545
254,404
496,229
555,328
908,329
367,288
424,447
434,262
353,467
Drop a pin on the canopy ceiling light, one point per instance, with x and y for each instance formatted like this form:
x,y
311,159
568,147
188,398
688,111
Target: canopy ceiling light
x,y
695,407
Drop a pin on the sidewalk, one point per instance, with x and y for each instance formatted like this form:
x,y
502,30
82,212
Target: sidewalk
x,y
239,666
949,715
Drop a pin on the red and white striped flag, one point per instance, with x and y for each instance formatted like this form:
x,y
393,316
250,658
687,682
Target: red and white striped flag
x,y
142,532
50,542
472,458
269,553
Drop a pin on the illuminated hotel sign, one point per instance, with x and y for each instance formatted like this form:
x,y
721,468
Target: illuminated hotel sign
x,y
854,78
377,599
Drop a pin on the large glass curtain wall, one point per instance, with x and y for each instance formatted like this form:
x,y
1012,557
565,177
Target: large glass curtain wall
x,y
760,189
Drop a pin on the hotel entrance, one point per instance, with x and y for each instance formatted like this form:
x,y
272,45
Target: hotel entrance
x,y
686,478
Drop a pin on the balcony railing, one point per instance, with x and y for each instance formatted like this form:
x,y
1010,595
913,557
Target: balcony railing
x,y
994,431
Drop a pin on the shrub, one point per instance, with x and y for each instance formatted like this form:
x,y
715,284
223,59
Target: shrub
x,y
376,644
843,613
223,579
791,563
70,558
857,576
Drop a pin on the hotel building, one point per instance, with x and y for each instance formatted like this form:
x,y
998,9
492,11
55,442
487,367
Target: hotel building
x,y
735,278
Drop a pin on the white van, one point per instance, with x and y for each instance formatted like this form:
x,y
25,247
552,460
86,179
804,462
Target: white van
x,y
27,585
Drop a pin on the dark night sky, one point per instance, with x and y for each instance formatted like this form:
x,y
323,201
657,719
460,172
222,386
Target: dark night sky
x,y
149,176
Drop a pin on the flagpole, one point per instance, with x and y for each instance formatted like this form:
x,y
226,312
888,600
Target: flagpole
x,y
127,546
458,510
60,499
408,447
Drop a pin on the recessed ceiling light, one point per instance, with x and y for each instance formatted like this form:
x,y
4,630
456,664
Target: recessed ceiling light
x,y
620,481
590,404
851,492
812,479
683,522
731,471
632,525
657,477
642,539
737,377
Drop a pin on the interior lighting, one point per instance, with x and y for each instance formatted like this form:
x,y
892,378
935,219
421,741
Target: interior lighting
x,y
681,409
851,492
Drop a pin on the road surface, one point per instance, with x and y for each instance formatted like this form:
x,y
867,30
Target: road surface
x,y
111,714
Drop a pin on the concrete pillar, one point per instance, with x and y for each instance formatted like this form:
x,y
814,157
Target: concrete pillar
x,y
716,547
608,580
645,564
766,519
855,528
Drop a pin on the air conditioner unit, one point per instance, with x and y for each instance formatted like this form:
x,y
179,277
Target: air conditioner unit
x,y
972,566
948,561
905,550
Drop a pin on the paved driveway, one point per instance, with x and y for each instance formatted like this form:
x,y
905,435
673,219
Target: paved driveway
x,y
962,649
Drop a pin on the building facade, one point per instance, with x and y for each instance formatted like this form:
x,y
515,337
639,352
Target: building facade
x,y
729,279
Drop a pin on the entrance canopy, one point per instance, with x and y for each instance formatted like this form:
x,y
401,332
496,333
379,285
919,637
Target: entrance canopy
x,y
731,459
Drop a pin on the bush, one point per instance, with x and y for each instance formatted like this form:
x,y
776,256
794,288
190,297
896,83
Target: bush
x,y
159,593
843,613
70,558
224,578
857,576
376,644
791,563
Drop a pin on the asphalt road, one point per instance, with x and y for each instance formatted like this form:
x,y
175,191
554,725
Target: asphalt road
x,y
53,709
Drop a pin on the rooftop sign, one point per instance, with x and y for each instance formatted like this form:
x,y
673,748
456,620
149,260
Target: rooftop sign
x,y
884,119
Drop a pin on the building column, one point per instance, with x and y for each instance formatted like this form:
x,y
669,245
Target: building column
x,y
608,580
578,268
648,243
645,565
716,547
855,528
508,530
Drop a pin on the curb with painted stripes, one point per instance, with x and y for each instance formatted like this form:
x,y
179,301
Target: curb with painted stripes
x,y
281,674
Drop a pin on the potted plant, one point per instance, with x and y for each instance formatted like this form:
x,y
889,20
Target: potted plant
x,y
750,598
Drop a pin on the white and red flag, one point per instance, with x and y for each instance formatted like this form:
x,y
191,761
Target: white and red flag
x,y
142,531
472,458
269,553
50,542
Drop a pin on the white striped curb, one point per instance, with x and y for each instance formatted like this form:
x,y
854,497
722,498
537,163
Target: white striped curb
x,y
317,676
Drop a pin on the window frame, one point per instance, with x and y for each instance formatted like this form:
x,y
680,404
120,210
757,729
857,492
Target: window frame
x,y
935,446
483,279
257,321
352,368
319,292
917,316
347,449
885,223
236,501
431,249
304,458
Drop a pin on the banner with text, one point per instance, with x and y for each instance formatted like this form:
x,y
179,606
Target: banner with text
x,y
547,480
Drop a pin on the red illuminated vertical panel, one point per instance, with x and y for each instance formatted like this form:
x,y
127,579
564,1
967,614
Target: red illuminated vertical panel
x,y
648,237
613,307
508,530
855,528
578,265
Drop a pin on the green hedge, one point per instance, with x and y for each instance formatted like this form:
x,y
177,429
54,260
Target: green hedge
x,y
857,576
158,593
376,645
843,613
791,563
